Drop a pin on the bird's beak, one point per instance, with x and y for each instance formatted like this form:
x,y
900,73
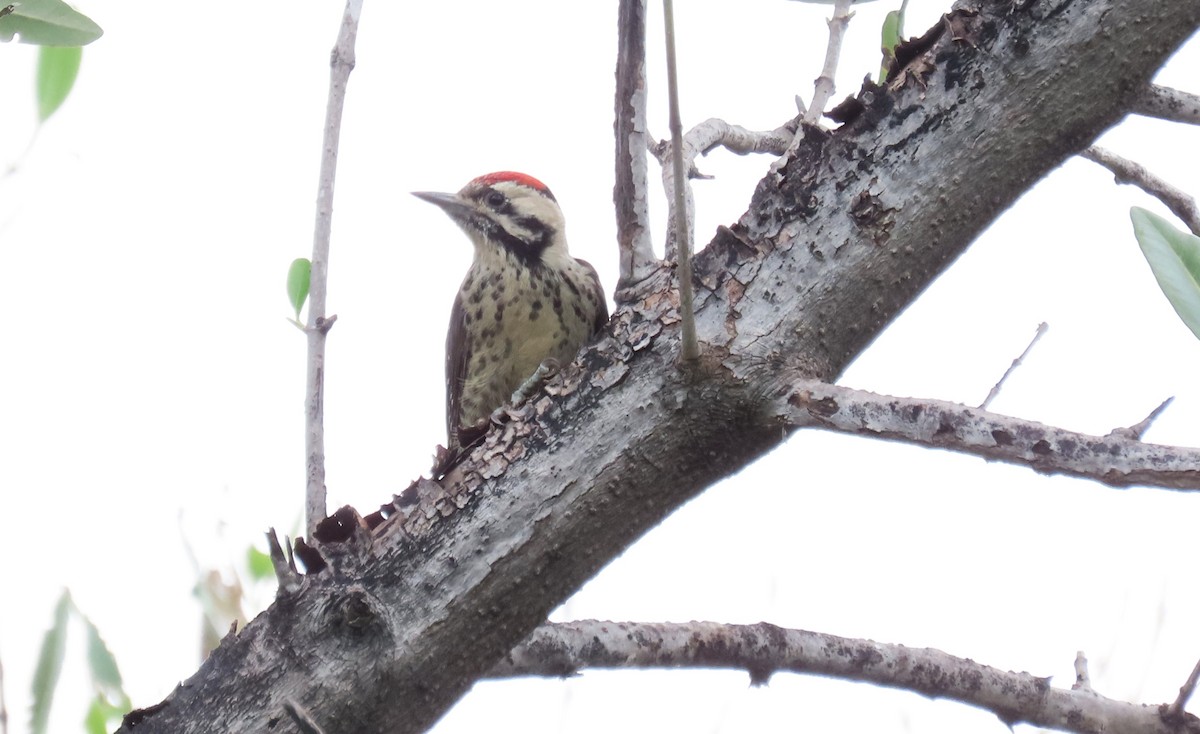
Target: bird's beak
x,y
458,209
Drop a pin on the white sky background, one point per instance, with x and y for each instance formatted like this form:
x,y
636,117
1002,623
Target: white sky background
x,y
147,369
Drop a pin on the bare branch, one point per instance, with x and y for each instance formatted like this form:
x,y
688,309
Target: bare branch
x,y
711,133
630,191
1037,335
1126,171
1114,460
1175,710
824,87
701,140
1166,103
764,649
341,63
689,348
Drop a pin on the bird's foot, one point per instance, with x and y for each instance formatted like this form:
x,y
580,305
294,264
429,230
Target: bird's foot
x,y
545,371
505,413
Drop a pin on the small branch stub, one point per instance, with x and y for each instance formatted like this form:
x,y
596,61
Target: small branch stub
x,y
1083,681
285,566
302,718
1175,710
1137,430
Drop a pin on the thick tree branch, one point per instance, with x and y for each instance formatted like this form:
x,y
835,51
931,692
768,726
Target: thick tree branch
x,y
763,649
391,627
1116,459
1167,104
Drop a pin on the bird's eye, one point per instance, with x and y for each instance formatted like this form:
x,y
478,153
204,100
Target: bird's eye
x,y
495,199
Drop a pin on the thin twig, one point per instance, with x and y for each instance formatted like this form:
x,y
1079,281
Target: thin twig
x,y
1037,335
1137,430
1185,692
1168,104
1126,171
3,706
630,191
1114,460
824,87
689,349
341,63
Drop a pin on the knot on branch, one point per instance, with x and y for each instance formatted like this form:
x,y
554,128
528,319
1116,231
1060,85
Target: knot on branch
x,y
343,537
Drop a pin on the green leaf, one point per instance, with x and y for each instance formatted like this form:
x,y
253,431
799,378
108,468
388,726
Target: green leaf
x,y
892,28
1174,257
102,664
57,68
96,720
49,665
48,23
259,564
297,283
102,713
111,701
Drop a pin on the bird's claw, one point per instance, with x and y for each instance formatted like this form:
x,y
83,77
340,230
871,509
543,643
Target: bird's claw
x,y
545,371
502,415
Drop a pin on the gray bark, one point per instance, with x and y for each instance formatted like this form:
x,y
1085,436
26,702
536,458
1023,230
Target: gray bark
x,y
834,245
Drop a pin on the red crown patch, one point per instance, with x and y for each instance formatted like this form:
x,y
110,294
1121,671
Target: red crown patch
x,y
524,179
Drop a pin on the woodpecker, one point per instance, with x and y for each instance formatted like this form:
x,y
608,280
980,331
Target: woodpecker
x,y
523,301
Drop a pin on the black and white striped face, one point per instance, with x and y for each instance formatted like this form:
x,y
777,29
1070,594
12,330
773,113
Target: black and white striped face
x,y
510,212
